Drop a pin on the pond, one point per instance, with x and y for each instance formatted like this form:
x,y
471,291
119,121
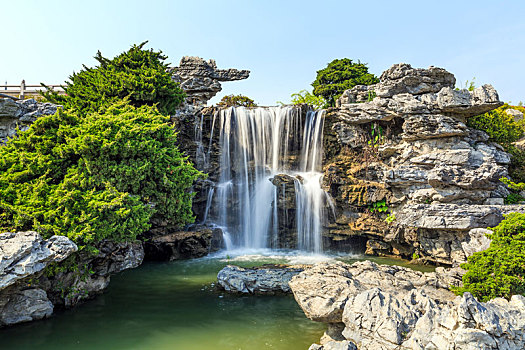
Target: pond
x,y
176,305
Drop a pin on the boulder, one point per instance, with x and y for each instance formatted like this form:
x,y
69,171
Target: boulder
x,y
259,280
23,257
24,306
390,307
323,290
23,254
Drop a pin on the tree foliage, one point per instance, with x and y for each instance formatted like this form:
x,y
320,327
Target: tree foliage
x,y
139,75
500,270
236,101
95,177
341,75
306,97
503,129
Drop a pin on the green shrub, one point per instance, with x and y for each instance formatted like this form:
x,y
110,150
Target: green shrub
x,y
501,127
517,163
95,177
236,101
306,97
137,74
500,270
514,198
341,75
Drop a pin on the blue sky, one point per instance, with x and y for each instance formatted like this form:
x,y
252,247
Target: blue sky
x,y
283,43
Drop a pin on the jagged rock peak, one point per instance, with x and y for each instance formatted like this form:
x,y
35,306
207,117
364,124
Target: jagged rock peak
x,y
200,78
191,66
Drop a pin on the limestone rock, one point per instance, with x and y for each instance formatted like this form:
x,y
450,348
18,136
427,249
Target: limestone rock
x,y
334,345
21,114
200,79
395,308
517,115
25,253
402,78
323,290
469,324
424,126
260,280
24,306
477,241
454,216
94,273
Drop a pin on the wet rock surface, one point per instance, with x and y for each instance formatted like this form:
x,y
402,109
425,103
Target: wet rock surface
x,y
194,243
389,307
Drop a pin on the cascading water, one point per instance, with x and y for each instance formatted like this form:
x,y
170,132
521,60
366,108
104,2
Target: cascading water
x,y
256,145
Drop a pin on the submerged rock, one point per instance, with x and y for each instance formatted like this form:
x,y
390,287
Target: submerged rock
x,y
390,307
259,280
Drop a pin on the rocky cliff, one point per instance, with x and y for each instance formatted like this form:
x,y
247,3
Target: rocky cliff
x,y
401,150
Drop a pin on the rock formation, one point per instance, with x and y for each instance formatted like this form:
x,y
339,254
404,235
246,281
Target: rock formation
x,y
259,280
194,243
404,143
23,257
20,114
367,306
27,294
200,79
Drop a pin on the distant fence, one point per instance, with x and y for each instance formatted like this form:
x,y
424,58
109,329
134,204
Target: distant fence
x,y
23,91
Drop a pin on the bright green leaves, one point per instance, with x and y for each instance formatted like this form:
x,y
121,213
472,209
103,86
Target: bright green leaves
x,y
96,177
341,75
500,270
139,75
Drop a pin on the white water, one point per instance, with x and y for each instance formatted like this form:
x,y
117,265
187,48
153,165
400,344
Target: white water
x,y
257,144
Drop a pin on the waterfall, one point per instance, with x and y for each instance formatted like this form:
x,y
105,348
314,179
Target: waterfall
x,y
255,145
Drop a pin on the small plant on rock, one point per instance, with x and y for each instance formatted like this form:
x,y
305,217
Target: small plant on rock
x,y
379,207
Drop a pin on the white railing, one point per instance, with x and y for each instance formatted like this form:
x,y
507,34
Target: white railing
x,y
22,90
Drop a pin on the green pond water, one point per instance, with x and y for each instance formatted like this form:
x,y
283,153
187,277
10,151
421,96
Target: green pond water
x,y
177,306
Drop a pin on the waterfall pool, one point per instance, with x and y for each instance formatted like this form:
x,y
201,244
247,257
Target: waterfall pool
x,y
176,305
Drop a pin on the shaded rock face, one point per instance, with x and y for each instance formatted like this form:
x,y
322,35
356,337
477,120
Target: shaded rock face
x,y
194,243
15,113
259,280
404,142
384,307
69,288
200,79
23,256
